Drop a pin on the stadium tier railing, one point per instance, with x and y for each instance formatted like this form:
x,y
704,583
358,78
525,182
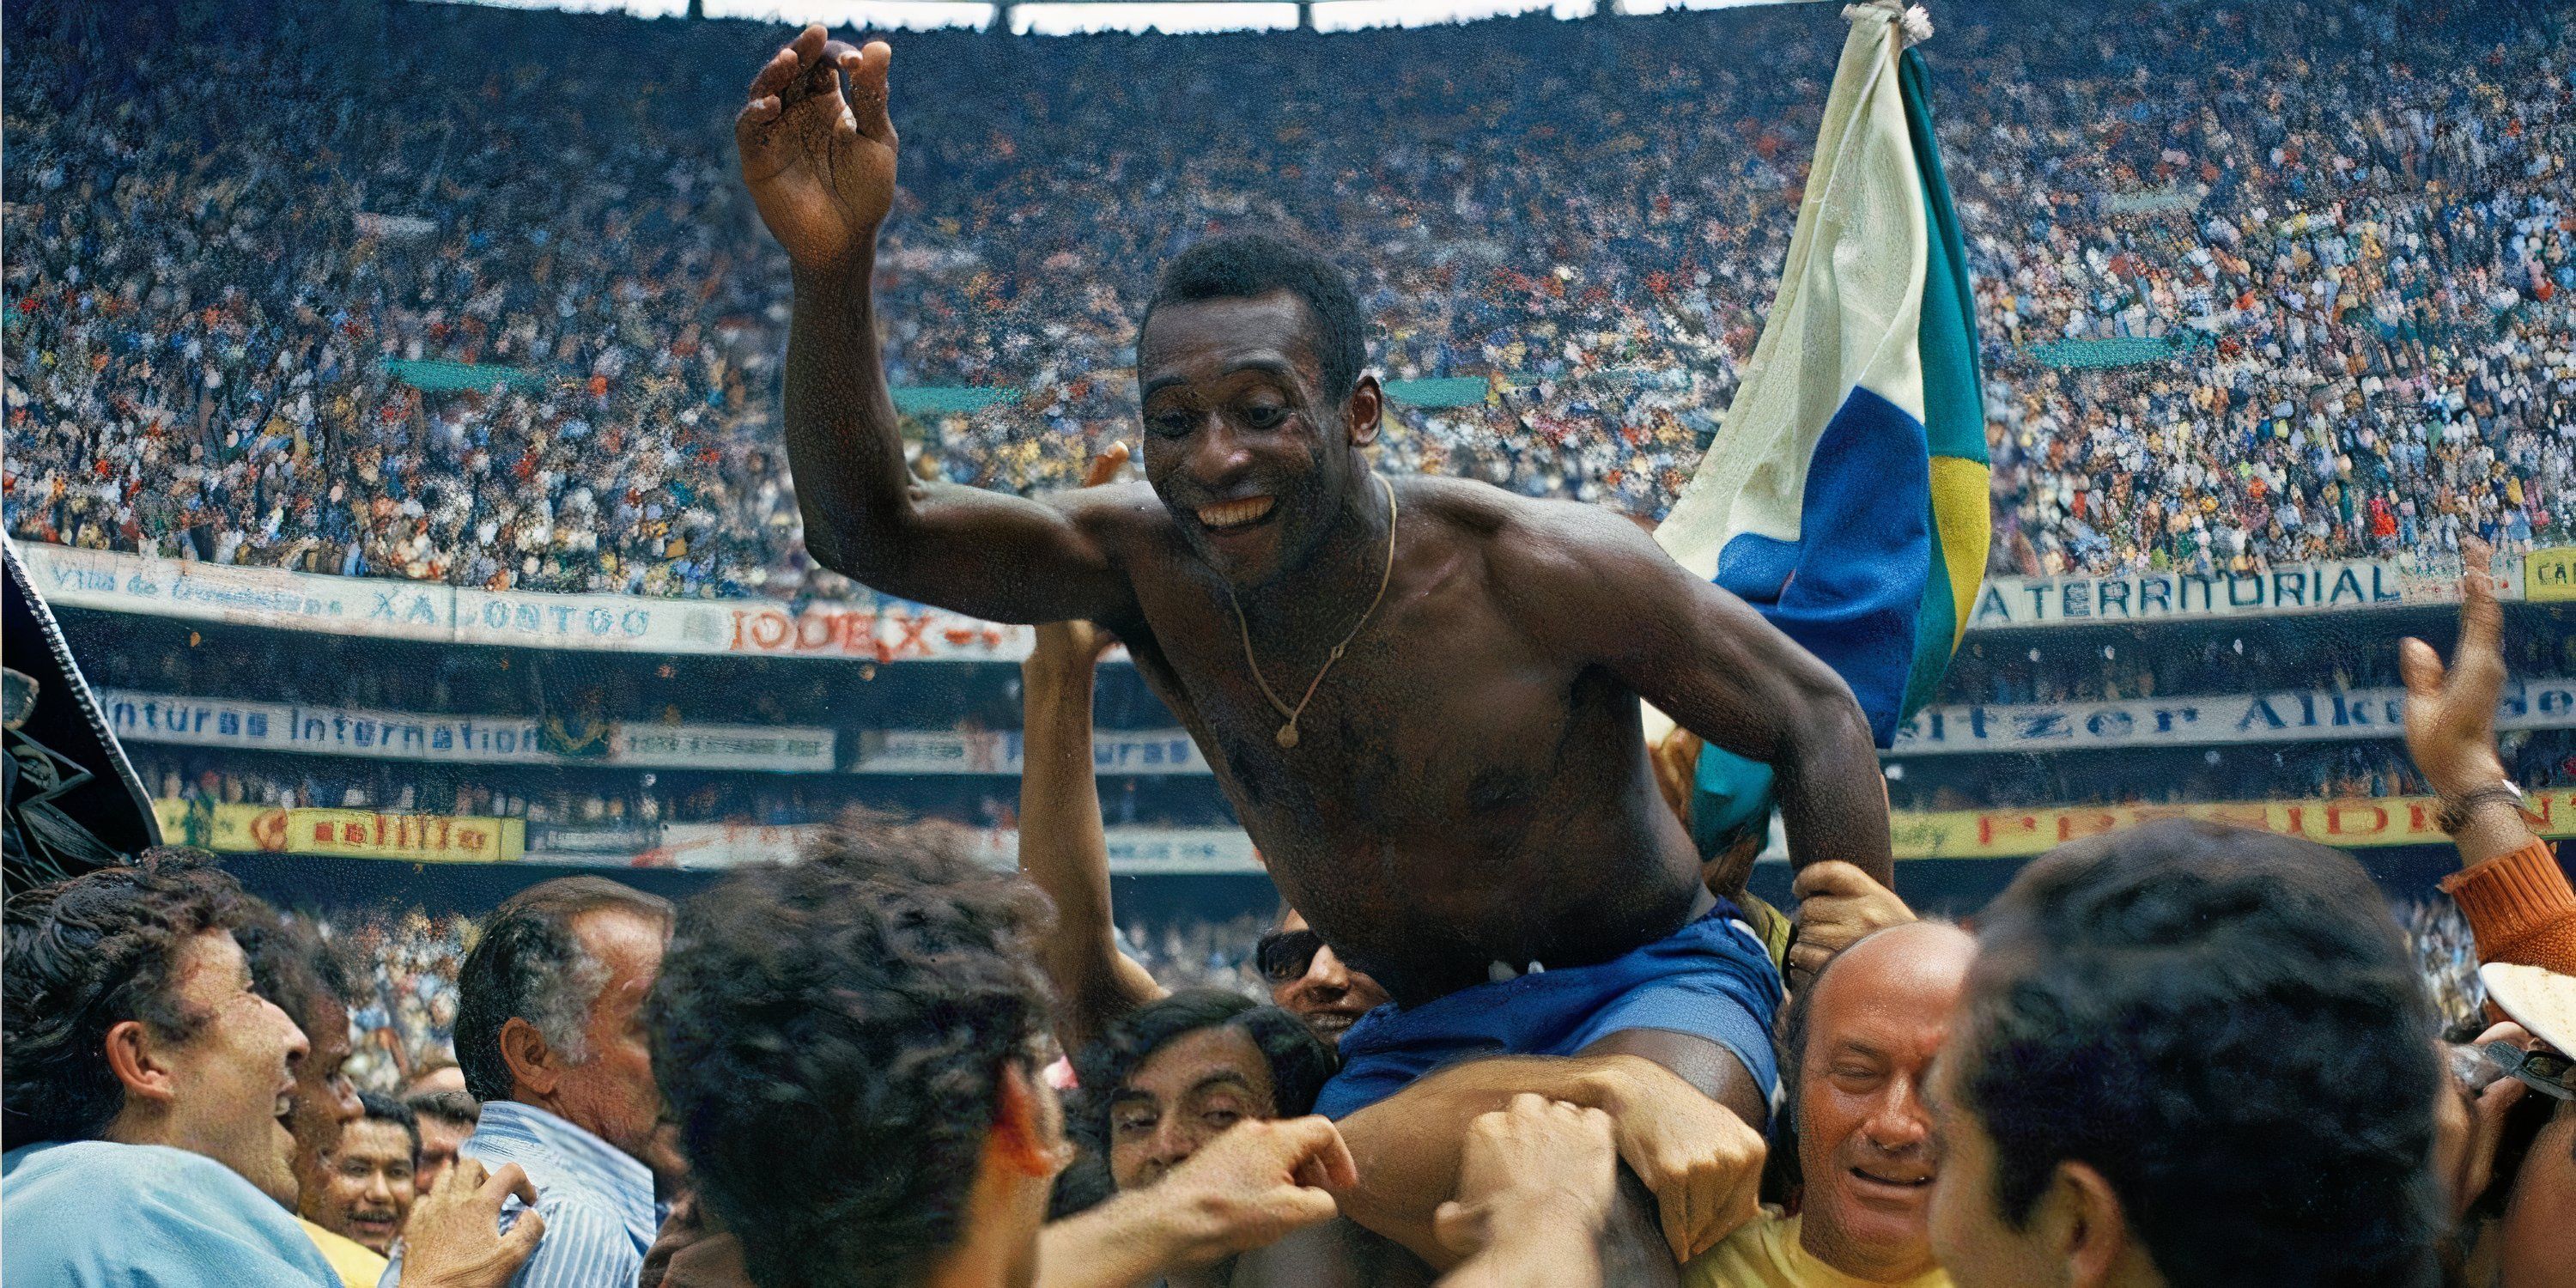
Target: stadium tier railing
x,y
886,631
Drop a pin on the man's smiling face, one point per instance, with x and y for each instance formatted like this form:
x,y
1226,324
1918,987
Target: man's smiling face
x,y
1865,1140
1244,444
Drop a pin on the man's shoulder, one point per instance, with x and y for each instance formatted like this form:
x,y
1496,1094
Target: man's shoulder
x,y
1535,551
1755,1256
98,1212
1523,524
1115,512
33,1172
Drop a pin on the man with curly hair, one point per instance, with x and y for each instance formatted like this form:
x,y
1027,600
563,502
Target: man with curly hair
x,y
851,1045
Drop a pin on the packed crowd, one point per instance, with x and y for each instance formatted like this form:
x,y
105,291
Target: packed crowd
x,y
237,301
1977,1108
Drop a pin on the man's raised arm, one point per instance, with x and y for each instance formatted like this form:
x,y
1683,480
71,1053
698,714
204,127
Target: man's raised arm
x,y
1589,582
820,165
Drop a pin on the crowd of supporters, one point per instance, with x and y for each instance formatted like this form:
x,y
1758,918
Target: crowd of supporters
x,y
2354,242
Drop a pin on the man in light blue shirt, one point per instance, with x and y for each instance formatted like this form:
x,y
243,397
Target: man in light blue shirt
x,y
551,1039
150,1133
146,1092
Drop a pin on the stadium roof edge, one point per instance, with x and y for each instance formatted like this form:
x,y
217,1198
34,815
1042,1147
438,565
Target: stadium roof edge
x,y
1171,17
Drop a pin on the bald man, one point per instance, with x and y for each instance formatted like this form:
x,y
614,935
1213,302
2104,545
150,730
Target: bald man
x,y
1859,1043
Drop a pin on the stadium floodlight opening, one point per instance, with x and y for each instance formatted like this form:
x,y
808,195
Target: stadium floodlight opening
x,y
1355,15
856,15
1084,16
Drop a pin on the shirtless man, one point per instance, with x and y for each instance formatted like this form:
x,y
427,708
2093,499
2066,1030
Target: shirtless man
x,y
1440,752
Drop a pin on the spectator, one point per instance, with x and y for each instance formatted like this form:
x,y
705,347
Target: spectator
x,y
1858,1145
290,964
2510,1151
2340,279
147,1091
551,1037
444,1119
439,1075
368,1192
2192,1055
1172,1075
1310,981
867,952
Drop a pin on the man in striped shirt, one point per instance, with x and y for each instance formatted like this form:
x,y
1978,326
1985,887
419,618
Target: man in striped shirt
x,y
552,1041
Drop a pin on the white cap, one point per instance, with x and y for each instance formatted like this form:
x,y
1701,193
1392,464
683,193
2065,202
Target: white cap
x,y
2542,1001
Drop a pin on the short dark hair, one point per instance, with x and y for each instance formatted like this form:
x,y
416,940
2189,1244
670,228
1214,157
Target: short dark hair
x,y
85,955
447,1106
528,965
293,966
1300,1064
384,1108
2226,1024
1243,266
831,1036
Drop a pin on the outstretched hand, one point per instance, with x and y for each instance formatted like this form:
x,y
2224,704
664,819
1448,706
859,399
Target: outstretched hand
x,y
1255,1183
819,161
453,1238
2450,712
1537,1163
1838,906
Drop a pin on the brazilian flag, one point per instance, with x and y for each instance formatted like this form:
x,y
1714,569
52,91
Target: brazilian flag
x,y
1845,495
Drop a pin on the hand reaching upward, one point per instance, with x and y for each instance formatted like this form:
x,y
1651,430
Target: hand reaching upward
x,y
2450,712
819,161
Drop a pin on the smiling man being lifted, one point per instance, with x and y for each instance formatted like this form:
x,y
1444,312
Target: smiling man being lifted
x,y
1421,694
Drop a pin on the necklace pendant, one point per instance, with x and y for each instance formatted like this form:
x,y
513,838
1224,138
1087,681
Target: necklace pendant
x,y
1287,736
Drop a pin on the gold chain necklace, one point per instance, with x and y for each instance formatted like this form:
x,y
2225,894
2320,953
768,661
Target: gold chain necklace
x,y
1288,732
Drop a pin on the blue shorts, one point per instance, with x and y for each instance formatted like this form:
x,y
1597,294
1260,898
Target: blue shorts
x,y
1710,979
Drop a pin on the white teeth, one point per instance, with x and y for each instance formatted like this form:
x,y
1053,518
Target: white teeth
x,y
1234,513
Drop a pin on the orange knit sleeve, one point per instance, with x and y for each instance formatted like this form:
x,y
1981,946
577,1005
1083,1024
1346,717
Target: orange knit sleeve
x,y
2520,908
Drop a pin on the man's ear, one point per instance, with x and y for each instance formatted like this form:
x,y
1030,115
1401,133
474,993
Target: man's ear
x,y
137,1060
1366,410
1028,1135
2089,1229
531,1059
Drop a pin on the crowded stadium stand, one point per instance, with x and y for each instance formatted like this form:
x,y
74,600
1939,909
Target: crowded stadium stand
x,y
393,410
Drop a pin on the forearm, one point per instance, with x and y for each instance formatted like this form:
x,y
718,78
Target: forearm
x,y
843,441
1064,852
2495,828
1537,1253
1128,1240
1408,1146
1832,797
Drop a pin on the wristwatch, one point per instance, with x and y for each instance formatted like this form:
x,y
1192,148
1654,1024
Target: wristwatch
x,y
2455,809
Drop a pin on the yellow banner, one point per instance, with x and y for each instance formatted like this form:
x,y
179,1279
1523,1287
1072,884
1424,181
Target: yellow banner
x,y
2013,833
2549,574
356,833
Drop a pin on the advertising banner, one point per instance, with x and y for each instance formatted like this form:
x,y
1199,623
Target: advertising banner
x,y
1132,850
2278,716
385,608
353,833
390,735
998,751
2549,576
2015,833
886,631
2340,586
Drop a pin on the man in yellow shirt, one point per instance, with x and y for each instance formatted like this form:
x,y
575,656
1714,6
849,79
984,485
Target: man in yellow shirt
x,y
1859,1042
